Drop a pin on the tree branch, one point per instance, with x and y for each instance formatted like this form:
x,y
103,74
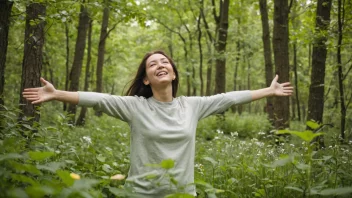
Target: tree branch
x,y
216,17
206,23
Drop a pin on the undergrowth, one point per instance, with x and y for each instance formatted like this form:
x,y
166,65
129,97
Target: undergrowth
x,y
236,156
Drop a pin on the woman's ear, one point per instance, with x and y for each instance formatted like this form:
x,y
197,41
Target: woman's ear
x,y
146,81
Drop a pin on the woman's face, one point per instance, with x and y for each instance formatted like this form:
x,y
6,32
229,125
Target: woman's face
x,y
159,71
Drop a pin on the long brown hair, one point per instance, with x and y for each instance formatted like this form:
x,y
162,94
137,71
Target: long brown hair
x,y
138,88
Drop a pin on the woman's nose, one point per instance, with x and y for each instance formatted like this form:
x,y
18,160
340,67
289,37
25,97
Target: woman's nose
x,y
161,65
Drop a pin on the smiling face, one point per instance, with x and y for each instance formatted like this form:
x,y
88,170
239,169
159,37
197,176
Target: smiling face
x,y
159,71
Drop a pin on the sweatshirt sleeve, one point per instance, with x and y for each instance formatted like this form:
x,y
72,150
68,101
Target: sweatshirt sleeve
x,y
209,105
120,107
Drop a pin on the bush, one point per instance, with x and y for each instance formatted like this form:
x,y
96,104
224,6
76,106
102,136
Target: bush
x,y
246,125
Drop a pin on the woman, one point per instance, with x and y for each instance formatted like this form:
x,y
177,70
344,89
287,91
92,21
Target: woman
x,y
163,126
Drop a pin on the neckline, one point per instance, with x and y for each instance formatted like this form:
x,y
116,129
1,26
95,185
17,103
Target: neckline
x,y
163,104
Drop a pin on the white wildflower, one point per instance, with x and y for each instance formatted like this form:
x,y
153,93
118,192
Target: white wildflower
x,y
108,148
234,134
219,131
87,139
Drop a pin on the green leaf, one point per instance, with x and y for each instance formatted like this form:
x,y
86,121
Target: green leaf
x,y
313,125
24,179
180,195
211,160
282,161
10,156
52,166
167,164
101,158
40,155
302,166
336,191
123,193
18,192
294,188
26,167
307,135
65,177
39,191
85,184
203,183
107,168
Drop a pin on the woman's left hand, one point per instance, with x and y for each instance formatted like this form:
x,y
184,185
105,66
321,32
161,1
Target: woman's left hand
x,y
281,89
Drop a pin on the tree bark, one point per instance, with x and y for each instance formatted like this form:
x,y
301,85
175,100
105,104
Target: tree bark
x,y
101,52
5,13
75,73
82,116
32,59
281,58
316,89
210,42
67,61
267,56
222,24
340,22
296,80
200,51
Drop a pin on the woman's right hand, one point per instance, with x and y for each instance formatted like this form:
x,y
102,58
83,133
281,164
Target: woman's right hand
x,y
40,94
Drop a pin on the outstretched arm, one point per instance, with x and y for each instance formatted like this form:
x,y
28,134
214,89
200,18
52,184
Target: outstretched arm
x,y
275,89
48,93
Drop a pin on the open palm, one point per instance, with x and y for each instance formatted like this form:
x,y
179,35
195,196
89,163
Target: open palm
x,y
40,94
281,89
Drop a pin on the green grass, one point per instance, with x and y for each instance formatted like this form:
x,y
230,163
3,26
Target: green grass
x,y
236,156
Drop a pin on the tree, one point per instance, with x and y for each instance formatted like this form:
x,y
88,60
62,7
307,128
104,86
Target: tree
x,y
340,23
78,56
32,58
316,88
5,12
82,116
199,29
281,59
101,51
210,43
222,25
267,55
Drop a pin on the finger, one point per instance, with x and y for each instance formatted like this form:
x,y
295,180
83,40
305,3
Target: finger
x,y
286,84
43,81
29,93
288,88
32,98
276,78
31,89
37,102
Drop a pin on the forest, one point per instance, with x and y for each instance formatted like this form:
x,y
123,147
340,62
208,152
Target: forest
x,y
297,146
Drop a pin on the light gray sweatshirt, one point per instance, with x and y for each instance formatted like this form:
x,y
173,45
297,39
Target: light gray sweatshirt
x,y
160,131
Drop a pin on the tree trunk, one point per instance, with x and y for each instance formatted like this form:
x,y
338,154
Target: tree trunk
x,y
101,52
340,22
296,80
295,100
200,52
5,13
210,64
78,57
67,61
82,116
267,57
210,42
222,24
32,59
281,58
316,89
